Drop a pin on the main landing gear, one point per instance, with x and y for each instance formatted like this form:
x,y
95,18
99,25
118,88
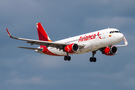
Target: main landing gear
x,y
67,58
93,59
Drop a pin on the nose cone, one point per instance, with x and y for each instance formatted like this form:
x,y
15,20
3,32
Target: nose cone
x,y
120,36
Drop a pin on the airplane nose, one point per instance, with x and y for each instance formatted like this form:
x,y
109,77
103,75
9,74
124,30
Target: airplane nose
x,y
121,36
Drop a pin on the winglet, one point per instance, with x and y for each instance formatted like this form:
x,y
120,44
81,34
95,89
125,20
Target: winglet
x,y
8,32
125,41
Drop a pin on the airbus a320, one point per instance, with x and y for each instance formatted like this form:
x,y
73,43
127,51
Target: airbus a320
x,y
102,40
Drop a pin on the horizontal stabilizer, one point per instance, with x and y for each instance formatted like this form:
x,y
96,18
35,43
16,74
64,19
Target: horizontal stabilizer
x,y
31,48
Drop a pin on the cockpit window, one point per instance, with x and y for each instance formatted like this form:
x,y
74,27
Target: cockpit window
x,y
115,32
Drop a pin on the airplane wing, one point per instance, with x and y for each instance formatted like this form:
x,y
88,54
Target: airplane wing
x,y
125,41
44,43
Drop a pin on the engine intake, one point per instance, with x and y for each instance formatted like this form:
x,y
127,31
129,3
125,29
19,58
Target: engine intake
x,y
71,48
110,51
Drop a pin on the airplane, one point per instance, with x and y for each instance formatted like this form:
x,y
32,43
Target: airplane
x,y
102,40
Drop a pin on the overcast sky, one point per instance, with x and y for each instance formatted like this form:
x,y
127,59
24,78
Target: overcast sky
x,y
27,70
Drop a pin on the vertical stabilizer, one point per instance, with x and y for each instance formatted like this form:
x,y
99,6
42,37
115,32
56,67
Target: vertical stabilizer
x,y
42,35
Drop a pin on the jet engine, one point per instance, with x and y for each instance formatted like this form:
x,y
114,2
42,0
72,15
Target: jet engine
x,y
71,48
109,51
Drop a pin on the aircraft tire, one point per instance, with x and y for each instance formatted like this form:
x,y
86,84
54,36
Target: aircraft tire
x,y
93,59
67,58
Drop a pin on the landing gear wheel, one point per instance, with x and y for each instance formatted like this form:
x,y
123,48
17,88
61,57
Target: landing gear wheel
x,y
67,58
93,59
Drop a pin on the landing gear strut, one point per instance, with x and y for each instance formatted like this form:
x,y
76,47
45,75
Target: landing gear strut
x,y
67,58
93,59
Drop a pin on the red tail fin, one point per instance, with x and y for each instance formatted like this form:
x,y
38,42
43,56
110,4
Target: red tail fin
x,y
41,33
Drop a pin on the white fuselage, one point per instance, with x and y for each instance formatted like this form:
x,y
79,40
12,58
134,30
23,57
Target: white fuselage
x,y
91,41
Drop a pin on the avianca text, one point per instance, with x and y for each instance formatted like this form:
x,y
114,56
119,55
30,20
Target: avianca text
x,y
89,37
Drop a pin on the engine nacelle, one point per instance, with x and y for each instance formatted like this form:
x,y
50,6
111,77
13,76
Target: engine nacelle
x,y
71,48
110,51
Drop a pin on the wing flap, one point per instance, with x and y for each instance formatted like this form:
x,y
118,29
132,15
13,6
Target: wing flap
x,y
31,48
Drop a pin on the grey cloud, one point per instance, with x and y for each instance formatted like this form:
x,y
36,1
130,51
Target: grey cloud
x,y
33,81
48,62
117,22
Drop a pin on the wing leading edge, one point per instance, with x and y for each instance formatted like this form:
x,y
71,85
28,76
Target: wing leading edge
x,y
38,42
